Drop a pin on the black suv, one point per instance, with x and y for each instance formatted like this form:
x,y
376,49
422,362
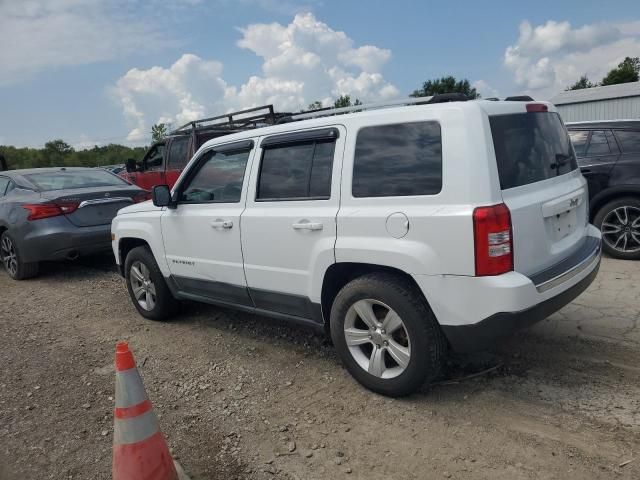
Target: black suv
x,y
609,157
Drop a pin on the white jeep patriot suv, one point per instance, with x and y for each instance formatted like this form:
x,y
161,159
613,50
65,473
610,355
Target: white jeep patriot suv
x,y
403,231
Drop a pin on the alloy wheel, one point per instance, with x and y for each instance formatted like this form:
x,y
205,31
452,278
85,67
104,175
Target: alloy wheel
x,y
621,229
142,286
9,257
377,338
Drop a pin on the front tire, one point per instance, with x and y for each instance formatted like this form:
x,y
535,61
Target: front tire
x,y
147,287
12,259
619,222
386,335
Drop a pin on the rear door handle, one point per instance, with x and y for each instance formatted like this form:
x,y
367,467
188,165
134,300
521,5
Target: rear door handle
x,y
306,225
222,224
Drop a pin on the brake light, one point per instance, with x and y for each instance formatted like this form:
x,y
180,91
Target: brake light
x,y
142,197
493,238
537,107
39,211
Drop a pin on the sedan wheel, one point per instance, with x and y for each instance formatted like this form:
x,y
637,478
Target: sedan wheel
x,y
9,256
142,286
377,338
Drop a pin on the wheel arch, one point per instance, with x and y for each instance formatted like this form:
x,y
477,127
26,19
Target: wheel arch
x,y
613,193
125,245
339,274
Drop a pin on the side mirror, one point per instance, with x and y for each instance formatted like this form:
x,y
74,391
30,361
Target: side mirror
x,y
130,165
161,196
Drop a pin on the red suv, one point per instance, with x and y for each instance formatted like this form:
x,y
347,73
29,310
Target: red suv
x,y
164,161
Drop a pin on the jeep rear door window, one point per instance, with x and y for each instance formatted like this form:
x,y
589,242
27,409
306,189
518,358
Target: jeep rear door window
x,y
579,139
218,179
178,153
296,171
629,140
530,147
398,160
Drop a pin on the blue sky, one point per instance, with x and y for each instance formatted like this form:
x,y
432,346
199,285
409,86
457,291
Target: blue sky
x,y
100,71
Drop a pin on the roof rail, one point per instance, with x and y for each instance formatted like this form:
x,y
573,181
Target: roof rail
x,y
233,121
325,112
449,97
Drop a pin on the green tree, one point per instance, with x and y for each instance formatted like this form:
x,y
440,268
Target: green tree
x,y
58,153
158,132
315,105
583,82
345,101
447,84
627,71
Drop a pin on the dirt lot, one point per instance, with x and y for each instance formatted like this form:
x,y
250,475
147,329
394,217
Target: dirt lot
x,y
241,396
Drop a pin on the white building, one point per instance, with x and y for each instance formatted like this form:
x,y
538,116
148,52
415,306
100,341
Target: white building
x,y
612,102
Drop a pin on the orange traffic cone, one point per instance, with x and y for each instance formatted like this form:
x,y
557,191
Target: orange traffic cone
x,y
140,451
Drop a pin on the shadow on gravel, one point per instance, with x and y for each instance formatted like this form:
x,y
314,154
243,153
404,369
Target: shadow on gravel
x,y
101,262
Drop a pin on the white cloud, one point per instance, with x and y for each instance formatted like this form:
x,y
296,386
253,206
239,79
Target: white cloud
x,y
484,89
302,62
40,34
546,58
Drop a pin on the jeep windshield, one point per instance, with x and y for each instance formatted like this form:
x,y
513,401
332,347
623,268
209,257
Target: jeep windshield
x,y
530,147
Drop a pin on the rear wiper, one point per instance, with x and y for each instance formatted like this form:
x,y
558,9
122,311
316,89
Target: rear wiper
x,y
561,160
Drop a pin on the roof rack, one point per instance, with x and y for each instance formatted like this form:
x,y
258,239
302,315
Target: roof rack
x,y
233,121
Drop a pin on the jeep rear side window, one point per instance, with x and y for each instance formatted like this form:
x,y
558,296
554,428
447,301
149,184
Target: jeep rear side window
x,y
629,140
218,179
296,171
530,147
178,153
398,160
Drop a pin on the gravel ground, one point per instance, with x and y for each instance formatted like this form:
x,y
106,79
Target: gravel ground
x,y
242,396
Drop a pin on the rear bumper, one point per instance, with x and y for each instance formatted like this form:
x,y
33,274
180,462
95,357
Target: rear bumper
x,y
482,335
57,239
476,311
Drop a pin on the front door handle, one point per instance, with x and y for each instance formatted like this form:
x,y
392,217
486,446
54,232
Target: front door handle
x,y
306,225
222,224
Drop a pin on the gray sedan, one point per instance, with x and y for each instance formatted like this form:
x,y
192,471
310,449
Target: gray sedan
x,y
58,213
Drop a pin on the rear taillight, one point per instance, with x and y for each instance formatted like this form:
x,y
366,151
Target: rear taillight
x,y
39,211
142,197
493,238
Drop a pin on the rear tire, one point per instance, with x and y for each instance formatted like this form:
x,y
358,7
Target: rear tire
x,y
12,259
397,349
147,287
616,220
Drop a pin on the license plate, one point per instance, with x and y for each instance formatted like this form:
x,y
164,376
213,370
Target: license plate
x,y
564,224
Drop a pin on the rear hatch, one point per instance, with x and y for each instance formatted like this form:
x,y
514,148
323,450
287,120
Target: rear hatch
x,y
541,185
95,206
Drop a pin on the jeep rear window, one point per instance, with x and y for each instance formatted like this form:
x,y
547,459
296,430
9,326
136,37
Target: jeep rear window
x,y
79,179
530,147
